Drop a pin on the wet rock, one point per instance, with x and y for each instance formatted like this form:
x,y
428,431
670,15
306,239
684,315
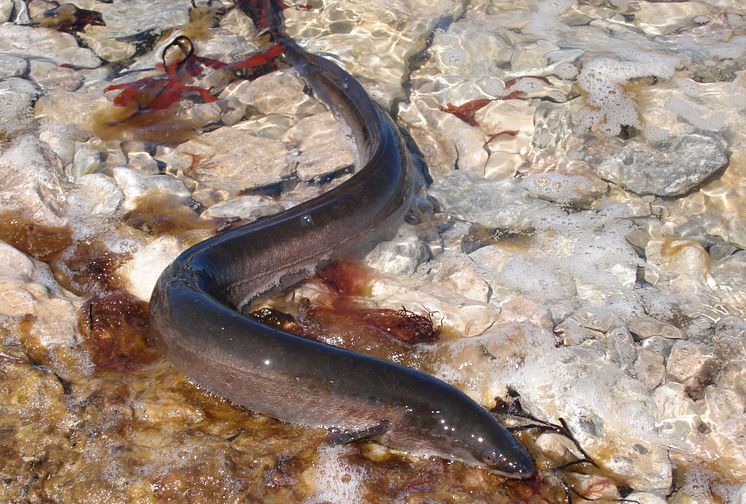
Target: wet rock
x,y
30,295
135,185
400,256
497,204
691,364
649,368
30,182
12,66
275,93
458,273
137,16
573,334
658,345
671,167
249,208
16,98
6,8
573,190
508,126
465,316
645,327
49,76
141,271
93,203
232,160
322,148
49,45
107,48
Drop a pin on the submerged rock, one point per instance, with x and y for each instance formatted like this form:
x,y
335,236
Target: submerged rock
x,y
670,167
45,44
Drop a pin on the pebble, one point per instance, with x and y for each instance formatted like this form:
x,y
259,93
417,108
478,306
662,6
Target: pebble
x,y
16,98
12,66
135,185
141,271
645,327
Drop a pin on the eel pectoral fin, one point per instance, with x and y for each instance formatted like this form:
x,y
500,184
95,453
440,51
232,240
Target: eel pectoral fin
x,y
341,436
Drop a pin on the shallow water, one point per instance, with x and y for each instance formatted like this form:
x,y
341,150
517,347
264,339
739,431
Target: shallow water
x,y
585,250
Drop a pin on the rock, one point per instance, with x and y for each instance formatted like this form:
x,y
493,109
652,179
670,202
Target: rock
x,y
12,66
458,274
573,334
138,16
141,271
671,167
49,76
107,48
649,368
322,147
497,204
573,190
232,160
400,256
645,327
16,98
92,204
507,151
691,364
6,9
465,316
135,185
86,160
248,208
29,292
30,183
274,93
45,44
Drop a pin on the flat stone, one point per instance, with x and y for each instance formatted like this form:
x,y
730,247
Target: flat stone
x,y
645,327
649,368
574,190
671,167
322,147
232,160
141,271
45,44
12,66
135,185
124,19
107,48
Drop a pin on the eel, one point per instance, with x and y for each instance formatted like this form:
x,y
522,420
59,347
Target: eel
x,y
195,306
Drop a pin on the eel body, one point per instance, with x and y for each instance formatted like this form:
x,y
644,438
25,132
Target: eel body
x,y
196,322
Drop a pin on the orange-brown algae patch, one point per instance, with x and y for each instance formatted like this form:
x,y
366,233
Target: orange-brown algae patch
x,y
88,267
111,122
114,326
159,214
40,242
347,278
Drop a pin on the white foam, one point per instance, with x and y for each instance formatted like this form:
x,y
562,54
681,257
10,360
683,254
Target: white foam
x,y
335,480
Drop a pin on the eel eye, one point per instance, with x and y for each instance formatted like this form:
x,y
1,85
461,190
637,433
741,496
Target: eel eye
x,y
490,456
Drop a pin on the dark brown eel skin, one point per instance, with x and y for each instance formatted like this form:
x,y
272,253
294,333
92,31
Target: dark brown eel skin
x,y
196,323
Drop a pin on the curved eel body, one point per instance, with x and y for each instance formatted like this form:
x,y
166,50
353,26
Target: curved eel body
x,y
195,320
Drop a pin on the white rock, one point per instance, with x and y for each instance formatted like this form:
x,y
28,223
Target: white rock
x,y
249,208
323,149
49,75
135,184
105,47
124,19
458,273
399,256
29,291
506,152
274,93
45,44
141,271
30,182
649,368
12,66
575,190
466,316
16,97
6,8
232,160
